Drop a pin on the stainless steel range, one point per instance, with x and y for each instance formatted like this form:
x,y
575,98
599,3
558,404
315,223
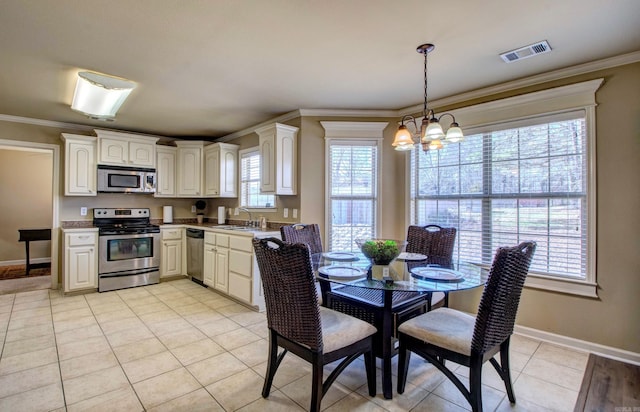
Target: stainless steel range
x,y
128,248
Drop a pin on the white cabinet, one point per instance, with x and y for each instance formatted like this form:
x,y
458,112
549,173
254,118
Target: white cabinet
x,y
216,261
189,173
241,268
166,171
172,254
80,263
206,170
79,165
125,149
278,159
221,162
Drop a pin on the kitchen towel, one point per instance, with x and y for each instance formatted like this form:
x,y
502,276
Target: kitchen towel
x,y
167,214
221,217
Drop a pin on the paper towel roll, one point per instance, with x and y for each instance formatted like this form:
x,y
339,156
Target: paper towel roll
x,y
221,215
167,214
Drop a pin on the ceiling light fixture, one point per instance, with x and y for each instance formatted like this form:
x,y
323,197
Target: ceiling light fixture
x,y
100,96
430,134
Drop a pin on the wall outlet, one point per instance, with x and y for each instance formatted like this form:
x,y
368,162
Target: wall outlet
x,y
83,211
285,212
295,213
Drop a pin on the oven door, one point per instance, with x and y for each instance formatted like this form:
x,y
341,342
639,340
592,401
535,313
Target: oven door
x,y
127,252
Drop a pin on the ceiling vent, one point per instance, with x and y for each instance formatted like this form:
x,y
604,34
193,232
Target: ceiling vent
x,y
527,51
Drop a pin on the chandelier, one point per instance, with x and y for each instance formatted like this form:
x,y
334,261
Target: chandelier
x,y
430,134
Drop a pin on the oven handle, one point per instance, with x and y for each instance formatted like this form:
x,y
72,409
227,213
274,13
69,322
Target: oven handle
x,y
130,236
128,272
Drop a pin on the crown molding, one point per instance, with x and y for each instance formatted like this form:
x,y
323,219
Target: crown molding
x,y
280,119
46,123
590,67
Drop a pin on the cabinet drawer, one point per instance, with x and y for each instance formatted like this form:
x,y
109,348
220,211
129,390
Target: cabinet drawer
x,y
169,234
81,239
240,287
210,238
222,240
240,262
242,243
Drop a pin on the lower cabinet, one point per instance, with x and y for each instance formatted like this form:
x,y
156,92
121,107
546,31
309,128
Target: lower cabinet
x,y
80,260
230,267
172,254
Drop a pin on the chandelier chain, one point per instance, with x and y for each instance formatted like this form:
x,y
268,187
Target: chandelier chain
x,y
425,85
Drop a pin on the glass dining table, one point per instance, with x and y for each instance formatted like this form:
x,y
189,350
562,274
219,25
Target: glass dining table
x,y
388,295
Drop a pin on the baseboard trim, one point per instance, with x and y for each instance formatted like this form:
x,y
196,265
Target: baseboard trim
x,y
22,262
598,349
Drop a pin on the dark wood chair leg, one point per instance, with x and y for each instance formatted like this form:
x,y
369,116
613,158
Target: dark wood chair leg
x,y
404,356
475,384
316,386
506,370
370,366
272,364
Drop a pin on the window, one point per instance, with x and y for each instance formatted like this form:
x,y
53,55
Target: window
x,y
250,195
513,181
352,182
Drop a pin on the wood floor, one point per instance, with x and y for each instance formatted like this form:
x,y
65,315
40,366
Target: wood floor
x,y
609,385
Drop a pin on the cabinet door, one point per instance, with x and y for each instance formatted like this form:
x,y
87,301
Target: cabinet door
x,y
286,164
228,173
209,265
189,169
81,268
267,163
222,269
80,169
142,154
171,263
166,174
114,151
212,172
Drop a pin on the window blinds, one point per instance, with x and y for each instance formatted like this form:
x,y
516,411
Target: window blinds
x,y
509,183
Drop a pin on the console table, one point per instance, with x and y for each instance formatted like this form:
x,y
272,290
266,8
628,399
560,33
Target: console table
x,y
32,235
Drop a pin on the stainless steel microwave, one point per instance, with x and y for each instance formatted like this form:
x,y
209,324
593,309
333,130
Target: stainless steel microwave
x,y
116,179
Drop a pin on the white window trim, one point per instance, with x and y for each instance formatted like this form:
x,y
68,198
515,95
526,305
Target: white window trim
x,y
354,133
579,96
273,209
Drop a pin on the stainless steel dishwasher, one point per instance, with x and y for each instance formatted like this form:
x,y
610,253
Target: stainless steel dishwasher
x,y
195,254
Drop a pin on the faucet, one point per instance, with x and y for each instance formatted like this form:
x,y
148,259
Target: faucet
x,y
244,209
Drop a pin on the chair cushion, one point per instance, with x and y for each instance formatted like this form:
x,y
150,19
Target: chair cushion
x,y
340,330
443,327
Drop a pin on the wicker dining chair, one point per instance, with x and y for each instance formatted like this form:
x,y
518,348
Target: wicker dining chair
x,y
308,234
298,324
447,334
437,244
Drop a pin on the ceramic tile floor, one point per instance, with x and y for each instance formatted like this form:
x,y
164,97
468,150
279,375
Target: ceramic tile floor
x,y
177,346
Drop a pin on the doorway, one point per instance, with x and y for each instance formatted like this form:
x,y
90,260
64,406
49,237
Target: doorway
x,y
29,181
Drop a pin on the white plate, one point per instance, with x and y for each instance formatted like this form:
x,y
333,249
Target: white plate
x,y
411,256
335,271
442,275
340,256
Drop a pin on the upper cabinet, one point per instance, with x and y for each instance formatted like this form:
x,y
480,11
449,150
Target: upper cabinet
x,y
166,171
278,156
189,171
79,165
206,170
124,149
221,163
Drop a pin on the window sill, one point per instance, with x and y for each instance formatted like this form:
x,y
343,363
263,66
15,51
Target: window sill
x,y
568,286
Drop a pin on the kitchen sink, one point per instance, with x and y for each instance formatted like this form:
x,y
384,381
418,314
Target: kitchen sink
x,y
235,227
